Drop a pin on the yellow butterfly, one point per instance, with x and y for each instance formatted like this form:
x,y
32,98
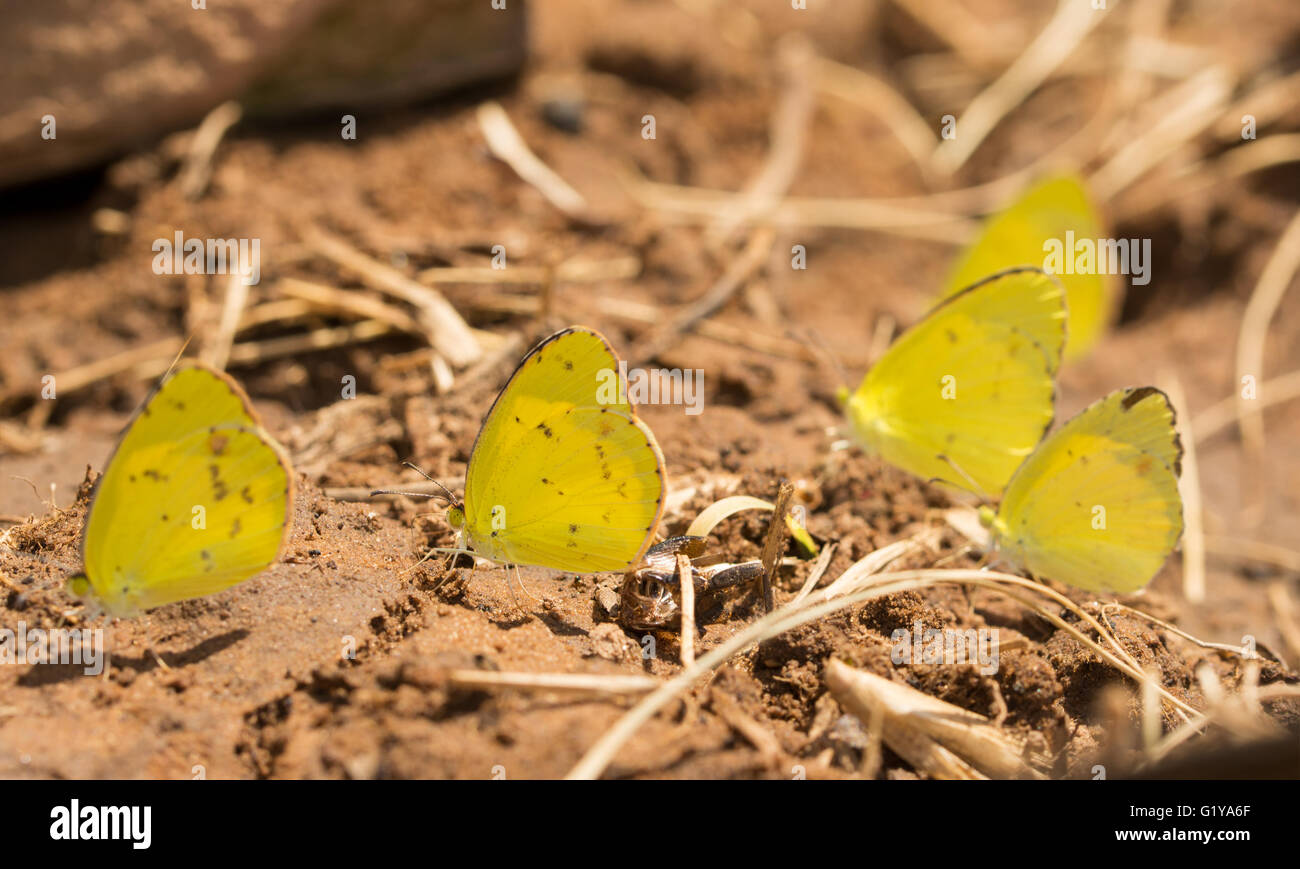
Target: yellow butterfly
x,y
1097,506
196,498
563,474
1017,237
970,387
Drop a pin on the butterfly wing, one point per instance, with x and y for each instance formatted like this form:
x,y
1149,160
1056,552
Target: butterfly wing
x,y
1016,237
1097,505
563,473
973,381
196,498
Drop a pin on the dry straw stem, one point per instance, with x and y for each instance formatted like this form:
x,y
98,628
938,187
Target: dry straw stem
x,y
969,36
878,97
577,683
505,143
1239,713
446,331
1071,23
774,543
1178,116
1221,416
573,271
1254,550
218,352
686,578
640,313
702,205
1161,623
331,300
1280,599
814,576
877,561
906,713
754,733
1264,300
197,170
602,752
737,273
1189,484
788,132
1274,100
1202,177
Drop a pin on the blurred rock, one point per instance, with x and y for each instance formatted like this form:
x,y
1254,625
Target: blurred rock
x,y
117,74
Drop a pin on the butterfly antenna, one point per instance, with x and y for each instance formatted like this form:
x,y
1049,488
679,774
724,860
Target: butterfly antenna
x,y
177,358
451,497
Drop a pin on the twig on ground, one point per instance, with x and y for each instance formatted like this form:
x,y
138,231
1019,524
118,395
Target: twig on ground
x,y
686,577
218,352
447,331
1274,280
740,270
197,170
509,147
774,543
584,683
1068,27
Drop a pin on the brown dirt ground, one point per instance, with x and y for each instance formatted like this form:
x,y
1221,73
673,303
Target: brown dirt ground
x,y
254,684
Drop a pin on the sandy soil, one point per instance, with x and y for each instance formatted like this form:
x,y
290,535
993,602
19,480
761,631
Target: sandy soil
x,y
253,682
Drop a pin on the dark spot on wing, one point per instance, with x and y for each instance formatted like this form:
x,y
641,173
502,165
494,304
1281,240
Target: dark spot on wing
x,y
247,494
546,429
573,529
235,528
219,489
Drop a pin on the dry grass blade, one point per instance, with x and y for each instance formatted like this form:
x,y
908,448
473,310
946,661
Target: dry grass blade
x,y
686,578
1053,45
818,570
967,33
871,93
899,218
774,542
1221,415
1280,600
754,733
877,561
576,683
232,312
572,271
509,147
1264,300
447,332
1193,106
904,711
350,303
789,127
197,170
740,270
602,752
